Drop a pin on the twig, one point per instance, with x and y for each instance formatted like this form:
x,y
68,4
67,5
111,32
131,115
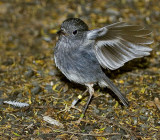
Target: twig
x,y
83,134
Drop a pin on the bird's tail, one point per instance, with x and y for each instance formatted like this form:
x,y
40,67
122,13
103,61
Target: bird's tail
x,y
116,91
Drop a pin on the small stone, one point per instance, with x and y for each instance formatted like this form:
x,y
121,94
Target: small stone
x,y
143,110
47,38
110,101
143,118
113,12
109,130
1,101
49,88
88,138
29,73
36,90
1,93
116,137
54,72
135,120
65,89
8,62
96,111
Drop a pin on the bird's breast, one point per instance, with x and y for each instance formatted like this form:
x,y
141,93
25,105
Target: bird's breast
x,y
78,64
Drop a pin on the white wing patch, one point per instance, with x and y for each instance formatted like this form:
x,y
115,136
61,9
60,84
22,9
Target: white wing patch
x,y
91,35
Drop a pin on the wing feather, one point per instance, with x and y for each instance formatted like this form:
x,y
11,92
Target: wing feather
x,y
119,43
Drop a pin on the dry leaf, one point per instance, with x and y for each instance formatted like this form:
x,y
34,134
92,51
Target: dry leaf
x,y
157,102
52,121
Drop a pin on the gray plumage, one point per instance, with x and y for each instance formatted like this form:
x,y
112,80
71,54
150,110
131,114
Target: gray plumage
x,y
80,52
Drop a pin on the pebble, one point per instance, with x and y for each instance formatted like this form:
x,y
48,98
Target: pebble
x,y
1,93
49,88
8,62
88,138
1,101
109,130
54,72
29,73
36,90
143,110
135,120
96,111
143,118
116,137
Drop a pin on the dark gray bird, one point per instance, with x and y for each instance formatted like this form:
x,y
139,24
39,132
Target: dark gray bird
x,y
81,53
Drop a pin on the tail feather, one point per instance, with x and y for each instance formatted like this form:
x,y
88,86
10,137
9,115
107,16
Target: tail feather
x,y
116,91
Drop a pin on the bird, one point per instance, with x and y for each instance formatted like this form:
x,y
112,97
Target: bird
x,y
82,54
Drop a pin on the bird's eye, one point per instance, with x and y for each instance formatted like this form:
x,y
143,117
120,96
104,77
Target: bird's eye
x,y
75,32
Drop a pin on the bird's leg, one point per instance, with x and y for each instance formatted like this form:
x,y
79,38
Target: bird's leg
x,y
91,92
78,98
74,103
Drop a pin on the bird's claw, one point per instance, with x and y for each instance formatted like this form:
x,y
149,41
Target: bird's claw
x,y
67,109
80,119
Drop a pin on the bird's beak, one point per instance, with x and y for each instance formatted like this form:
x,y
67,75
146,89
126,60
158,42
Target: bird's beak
x,y
61,32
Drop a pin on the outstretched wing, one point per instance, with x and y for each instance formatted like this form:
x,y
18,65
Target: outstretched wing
x,y
119,43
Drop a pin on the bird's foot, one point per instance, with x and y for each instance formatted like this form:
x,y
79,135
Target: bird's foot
x,y
74,107
80,119
67,109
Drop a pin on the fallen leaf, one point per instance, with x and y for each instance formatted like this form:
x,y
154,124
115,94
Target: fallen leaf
x,y
52,121
157,102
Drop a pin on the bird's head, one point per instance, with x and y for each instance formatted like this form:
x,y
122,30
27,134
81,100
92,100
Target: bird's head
x,y
72,28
